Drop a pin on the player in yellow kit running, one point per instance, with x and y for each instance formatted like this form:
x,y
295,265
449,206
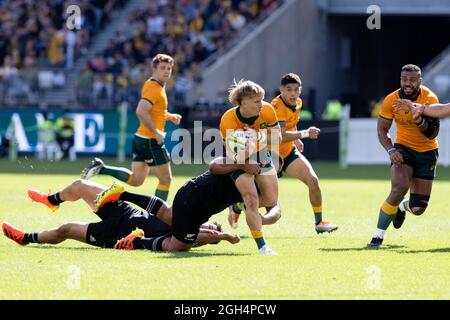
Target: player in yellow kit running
x,y
257,117
413,156
149,153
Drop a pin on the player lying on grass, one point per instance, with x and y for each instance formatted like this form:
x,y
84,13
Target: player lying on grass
x,y
194,203
431,110
119,219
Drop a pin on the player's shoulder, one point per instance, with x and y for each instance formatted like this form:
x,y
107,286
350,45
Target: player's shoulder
x,y
277,102
152,83
391,97
267,107
229,114
427,92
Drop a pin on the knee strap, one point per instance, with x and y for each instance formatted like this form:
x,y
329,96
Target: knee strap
x,y
418,203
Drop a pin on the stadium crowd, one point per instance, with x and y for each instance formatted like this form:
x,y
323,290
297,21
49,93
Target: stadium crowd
x,y
189,31
35,40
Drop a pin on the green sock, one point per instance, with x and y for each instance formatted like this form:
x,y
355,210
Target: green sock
x,y
123,174
387,214
162,192
384,220
317,214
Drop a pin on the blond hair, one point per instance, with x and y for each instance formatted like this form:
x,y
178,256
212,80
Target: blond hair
x,y
243,89
160,57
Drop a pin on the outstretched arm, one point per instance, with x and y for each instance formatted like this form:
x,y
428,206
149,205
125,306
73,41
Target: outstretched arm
x,y
437,110
208,236
220,165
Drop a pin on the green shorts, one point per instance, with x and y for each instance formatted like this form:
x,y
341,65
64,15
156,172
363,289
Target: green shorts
x,y
422,163
149,151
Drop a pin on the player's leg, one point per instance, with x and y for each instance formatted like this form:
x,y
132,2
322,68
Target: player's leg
x,y
267,183
136,240
79,189
302,169
75,231
98,167
420,191
164,175
246,185
72,230
401,177
419,196
82,189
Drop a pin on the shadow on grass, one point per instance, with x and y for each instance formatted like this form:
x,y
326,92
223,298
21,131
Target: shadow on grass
x,y
50,247
194,254
436,250
365,248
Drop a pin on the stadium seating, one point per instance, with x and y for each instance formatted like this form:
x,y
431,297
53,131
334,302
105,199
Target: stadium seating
x,y
36,47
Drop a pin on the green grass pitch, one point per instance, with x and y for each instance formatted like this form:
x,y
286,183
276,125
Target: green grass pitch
x,y
414,263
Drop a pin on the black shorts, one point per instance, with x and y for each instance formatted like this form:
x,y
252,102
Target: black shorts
x,y
187,214
291,157
422,163
149,151
119,219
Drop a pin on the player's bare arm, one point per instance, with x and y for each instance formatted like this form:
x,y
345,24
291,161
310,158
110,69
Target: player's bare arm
x,y
383,126
174,117
220,166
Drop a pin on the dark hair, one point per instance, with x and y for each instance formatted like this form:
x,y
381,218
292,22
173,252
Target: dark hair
x,y
411,68
290,78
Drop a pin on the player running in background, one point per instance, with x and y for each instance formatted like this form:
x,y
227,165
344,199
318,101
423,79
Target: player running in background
x,y
119,219
255,115
413,156
288,106
149,153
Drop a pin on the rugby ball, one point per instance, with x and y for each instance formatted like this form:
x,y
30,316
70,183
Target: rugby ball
x,y
237,145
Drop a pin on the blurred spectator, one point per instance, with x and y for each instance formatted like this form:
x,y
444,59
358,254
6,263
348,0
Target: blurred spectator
x,y
332,110
84,86
70,42
65,133
375,108
47,147
182,85
102,90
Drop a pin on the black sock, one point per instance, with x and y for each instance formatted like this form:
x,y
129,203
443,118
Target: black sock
x,y
138,199
30,238
154,244
54,199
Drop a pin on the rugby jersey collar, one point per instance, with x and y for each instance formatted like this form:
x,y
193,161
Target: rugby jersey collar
x,y
241,118
161,84
292,108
